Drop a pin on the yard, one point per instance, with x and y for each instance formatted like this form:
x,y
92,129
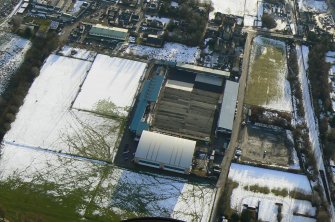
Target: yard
x,y
54,158
267,85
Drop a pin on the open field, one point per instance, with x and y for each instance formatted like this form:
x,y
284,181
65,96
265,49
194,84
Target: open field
x,y
53,187
267,85
12,51
269,189
110,86
266,146
47,121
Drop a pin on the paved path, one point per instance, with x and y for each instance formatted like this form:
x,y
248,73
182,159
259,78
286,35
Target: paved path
x,y
229,154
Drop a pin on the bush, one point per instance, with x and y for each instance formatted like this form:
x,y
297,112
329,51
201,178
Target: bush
x,y
257,189
296,194
268,21
280,192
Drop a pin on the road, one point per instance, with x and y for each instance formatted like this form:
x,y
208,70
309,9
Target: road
x,y
230,152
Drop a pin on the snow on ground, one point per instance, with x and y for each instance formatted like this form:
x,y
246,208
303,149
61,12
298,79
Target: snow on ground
x,y
173,52
12,51
46,119
249,9
77,53
76,7
302,55
302,219
113,80
273,179
247,176
165,21
312,6
108,188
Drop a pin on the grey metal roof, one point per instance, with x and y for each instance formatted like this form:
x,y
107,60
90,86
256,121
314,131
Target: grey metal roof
x,y
168,150
228,106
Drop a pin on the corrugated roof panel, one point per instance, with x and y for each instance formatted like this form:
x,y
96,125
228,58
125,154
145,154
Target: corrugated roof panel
x,y
228,106
160,148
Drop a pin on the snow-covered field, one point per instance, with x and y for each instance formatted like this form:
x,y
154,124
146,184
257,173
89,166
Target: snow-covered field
x,y
267,84
173,52
12,51
312,6
46,119
110,82
247,176
107,189
249,9
302,55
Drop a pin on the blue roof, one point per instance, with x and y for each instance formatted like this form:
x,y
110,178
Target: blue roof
x,y
154,88
139,112
149,93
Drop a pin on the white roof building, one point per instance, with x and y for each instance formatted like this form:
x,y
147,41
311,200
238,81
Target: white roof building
x,y
227,113
165,152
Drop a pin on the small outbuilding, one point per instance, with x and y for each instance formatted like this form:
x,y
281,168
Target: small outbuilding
x,y
165,152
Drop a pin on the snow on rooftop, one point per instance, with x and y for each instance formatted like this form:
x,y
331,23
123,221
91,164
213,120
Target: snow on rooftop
x,y
172,52
313,6
247,176
77,53
108,188
164,20
46,119
110,79
12,51
76,7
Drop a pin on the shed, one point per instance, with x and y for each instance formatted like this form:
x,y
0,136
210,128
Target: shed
x,y
109,32
227,113
165,152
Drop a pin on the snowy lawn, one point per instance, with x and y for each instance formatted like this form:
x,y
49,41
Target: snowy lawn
x,y
110,86
249,9
249,177
267,84
46,119
312,6
173,52
12,51
79,188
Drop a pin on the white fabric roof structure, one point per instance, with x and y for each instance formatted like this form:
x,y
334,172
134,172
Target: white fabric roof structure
x,y
227,112
167,150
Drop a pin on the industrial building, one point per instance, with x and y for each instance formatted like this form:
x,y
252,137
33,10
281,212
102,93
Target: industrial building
x,y
165,152
187,105
109,32
228,106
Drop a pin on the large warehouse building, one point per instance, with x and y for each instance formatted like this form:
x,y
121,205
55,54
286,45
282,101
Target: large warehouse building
x,y
109,32
227,113
165,152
